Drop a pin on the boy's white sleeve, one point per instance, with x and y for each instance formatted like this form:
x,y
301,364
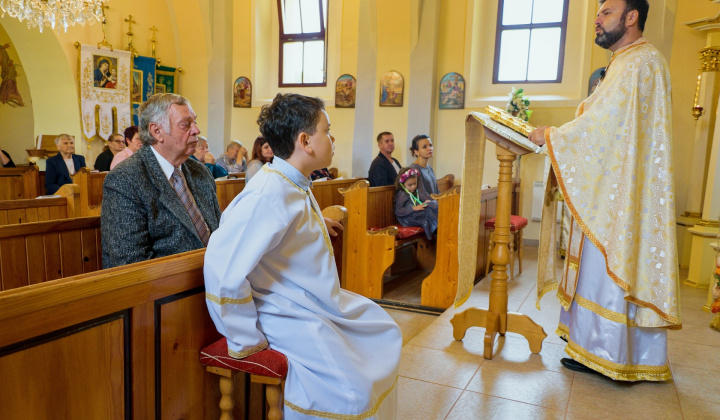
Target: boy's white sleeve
x,y
250,227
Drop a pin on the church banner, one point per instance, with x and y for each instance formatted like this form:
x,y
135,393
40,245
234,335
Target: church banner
x,y
142,83
104,77
167,80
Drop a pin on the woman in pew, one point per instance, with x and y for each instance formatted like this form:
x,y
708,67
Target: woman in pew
x,y
116,144
413,207
261,154
133,143
422,149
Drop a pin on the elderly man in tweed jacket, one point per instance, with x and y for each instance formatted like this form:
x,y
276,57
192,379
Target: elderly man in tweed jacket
x,y
158,202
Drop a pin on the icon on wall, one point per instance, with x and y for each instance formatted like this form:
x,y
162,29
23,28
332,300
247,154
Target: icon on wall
x,y
345,91
242,93
452,91
392,86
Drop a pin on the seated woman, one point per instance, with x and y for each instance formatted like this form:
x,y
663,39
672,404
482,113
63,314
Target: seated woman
x,y
261,154
60,168
202,154
133,143
422,149
413,207
116,144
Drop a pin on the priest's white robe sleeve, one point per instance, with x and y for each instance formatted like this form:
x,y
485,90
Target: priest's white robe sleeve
x,y
255,227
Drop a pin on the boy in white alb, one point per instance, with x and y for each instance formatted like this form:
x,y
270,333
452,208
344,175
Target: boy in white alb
x,y
271,279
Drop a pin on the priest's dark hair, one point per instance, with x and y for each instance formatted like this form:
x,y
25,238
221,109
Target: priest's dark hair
x,y
642,7
285,118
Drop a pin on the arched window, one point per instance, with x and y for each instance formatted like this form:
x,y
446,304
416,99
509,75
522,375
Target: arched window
x,y
303,42
530,41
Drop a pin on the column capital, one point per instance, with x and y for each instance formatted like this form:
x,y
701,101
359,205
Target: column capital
x,y
710,59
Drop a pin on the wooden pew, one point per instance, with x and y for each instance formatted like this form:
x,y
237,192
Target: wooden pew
x,y
19,183
372,207
42,251
445,183
64,205
116,343
327,193
228,189
91,191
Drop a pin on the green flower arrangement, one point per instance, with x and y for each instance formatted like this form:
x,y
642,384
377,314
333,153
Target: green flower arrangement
x,y
518,105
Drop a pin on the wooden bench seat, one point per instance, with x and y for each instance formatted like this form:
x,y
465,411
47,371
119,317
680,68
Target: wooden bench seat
x,y
65,204
21,182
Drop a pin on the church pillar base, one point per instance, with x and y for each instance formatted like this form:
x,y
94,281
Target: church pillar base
x,y
684,239
702,257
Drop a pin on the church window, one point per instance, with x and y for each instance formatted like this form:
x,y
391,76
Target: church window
x,y
530,41
303,42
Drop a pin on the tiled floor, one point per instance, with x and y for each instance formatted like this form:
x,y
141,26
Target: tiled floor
x,y
441,378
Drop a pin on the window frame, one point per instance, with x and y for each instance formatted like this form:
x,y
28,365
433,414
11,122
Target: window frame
x,y
499,28
314,36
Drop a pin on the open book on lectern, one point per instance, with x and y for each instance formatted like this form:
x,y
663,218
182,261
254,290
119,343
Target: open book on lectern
x,y
508,126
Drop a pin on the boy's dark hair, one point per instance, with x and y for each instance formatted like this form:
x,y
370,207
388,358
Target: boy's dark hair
x,y
384,133
285,118
642,7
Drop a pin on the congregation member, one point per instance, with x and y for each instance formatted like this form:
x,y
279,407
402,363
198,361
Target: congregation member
x,y
422,149
202,154
283,292
6,160
321,174
116,143
413,206
234,158
60,168
159,202
384,168
619,291
132,143
262,153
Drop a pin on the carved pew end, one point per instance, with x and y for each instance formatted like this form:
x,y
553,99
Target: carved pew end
x,y
268,367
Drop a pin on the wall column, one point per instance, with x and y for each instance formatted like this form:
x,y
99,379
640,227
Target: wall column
x,y
422,89
220,78
363,136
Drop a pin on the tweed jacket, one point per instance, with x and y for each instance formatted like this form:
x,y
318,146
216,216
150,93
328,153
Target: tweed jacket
x,y
56,172
382,172
142,216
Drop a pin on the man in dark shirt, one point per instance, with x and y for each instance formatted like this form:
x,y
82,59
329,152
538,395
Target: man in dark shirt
x,y
384,167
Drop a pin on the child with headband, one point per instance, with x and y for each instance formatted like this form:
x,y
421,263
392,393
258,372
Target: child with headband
x,y
413,207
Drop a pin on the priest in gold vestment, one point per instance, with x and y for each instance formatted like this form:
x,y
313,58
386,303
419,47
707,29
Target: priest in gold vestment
x,y
612,165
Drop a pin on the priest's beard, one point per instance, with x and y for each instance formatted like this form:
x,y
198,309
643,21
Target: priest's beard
x,y
608,38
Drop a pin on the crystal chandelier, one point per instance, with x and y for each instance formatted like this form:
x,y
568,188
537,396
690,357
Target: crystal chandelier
x,y
40,13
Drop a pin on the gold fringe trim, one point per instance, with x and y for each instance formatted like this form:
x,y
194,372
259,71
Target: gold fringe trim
x,y
601,311
464,299
564,299
563,331
547,288
598,245
226,300
327,415
615,370
248,352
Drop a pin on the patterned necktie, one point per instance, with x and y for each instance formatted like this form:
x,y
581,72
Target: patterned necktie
x,y
195,216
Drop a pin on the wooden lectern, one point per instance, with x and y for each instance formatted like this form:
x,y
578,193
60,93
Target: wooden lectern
x,y
509,144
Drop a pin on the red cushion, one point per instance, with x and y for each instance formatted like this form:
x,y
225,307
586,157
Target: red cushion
x,y
404,232
266,362
516,223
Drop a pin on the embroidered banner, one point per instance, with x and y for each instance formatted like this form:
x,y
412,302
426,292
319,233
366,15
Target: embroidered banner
x,y
142,83
104,77
166,80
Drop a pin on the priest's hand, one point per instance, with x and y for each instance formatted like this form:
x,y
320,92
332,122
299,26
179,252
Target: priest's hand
x,y
332,225
537,136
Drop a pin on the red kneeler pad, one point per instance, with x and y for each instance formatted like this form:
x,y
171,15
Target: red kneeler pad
x,y
266,362
404,232
516,223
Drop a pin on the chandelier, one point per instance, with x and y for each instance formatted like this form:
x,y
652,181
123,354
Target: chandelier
x,y
40,13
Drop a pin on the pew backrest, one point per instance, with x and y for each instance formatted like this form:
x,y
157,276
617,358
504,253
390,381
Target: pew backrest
x,y
327,193
42,251
91,190
19,183
63,205
227,190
